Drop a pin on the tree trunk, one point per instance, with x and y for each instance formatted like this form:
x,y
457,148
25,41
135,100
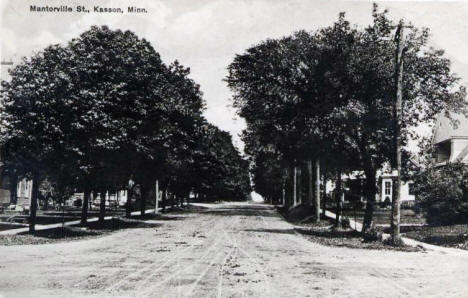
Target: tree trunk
x,y
338,193
128,204
33,204
299,185
287,187
310,184
295,186
84,207
102,207
163,200
370,190
284,193
46,202
317,190
91,201
156,197
143,195
14,190
324,201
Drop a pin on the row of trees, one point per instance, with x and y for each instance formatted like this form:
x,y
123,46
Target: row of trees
x,y
104,113
328,98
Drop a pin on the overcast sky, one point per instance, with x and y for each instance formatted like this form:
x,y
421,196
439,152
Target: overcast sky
x,y
206,34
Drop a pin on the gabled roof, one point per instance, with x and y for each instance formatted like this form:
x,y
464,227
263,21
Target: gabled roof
x,y
445,130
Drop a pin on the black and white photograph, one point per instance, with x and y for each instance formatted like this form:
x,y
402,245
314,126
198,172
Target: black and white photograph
x,y
233,148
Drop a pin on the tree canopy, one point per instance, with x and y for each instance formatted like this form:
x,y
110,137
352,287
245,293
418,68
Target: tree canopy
x,y
330,94
103,109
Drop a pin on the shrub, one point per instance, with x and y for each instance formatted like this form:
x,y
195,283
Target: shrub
x,y
372,235
440,192
408,204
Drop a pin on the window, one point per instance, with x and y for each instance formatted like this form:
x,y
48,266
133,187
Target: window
x,y
411,189
388,187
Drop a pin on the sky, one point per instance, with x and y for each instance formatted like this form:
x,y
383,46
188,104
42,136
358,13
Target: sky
x,y
205,35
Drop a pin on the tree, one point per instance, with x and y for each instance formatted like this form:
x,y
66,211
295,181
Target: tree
x,y
34,116
286,88
221,172
101,107
301,93
428,87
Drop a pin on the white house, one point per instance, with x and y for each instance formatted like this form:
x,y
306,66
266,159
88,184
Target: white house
x,y
450,139
385,194
385,179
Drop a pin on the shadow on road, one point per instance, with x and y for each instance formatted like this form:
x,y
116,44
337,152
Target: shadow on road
x,y
152,216
120,224
331,233
277,231
248,210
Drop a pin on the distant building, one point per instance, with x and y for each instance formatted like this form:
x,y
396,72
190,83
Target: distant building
x,y
24,194
450,140
5,195
113,198
354,184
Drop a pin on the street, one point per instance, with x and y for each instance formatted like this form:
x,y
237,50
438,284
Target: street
x,y
224,250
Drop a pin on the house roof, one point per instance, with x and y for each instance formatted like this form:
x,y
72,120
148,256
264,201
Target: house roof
x,y
445,130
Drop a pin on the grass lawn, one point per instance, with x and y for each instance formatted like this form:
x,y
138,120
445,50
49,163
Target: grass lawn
x,y
449,236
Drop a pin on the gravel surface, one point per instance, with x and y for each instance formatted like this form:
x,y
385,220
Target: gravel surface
x,y
229,250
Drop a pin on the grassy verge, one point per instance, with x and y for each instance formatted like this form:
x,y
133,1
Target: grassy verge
x,y
449,236
71,233
325,233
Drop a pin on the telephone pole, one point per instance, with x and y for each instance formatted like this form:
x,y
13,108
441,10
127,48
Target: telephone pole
x,y
397,113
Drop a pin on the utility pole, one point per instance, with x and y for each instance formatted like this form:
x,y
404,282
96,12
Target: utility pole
x,y
397,113
156,203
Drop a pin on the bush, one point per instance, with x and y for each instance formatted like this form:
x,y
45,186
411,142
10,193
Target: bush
x,y
345,223
445,213
386,203
372,235
408,204
440,192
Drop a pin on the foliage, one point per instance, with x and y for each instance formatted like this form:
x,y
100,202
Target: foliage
x,y
221,171
441,192
331,94
102,109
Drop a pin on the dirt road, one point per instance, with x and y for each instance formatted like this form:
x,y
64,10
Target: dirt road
x,y
228,250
